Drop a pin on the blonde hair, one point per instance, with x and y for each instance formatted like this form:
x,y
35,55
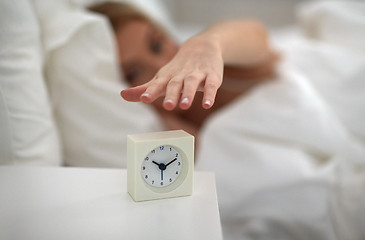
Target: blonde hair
x,y
119,13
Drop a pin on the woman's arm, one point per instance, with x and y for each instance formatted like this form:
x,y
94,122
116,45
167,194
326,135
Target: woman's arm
x,y
198,65
241,42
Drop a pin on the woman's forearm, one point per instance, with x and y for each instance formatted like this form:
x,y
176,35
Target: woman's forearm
x,y
241,42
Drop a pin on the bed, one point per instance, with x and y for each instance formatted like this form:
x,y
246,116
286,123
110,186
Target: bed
x,y
289,156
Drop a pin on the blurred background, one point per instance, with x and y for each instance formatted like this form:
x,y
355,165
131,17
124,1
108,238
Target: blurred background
x,y
191,16
273,13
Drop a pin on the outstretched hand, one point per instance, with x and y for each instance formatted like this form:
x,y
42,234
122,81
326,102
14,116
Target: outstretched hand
x,y
197,66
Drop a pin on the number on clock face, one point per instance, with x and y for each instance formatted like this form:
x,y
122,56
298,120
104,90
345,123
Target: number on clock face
x,y
161,166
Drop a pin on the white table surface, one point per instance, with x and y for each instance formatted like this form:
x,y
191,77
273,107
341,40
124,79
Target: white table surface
x,y
86,203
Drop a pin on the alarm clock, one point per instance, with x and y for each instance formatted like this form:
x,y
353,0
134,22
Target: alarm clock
x,y
160,165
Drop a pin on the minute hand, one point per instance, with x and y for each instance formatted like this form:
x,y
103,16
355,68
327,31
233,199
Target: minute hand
x,y
171,162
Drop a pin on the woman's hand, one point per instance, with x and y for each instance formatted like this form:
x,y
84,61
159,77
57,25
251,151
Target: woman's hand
x,y
197,66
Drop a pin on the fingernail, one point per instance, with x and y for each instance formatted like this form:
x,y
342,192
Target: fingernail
x,y
145,94
169,101
207,103
185,101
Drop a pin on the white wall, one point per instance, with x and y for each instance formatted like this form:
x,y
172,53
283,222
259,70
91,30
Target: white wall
x,y
273,13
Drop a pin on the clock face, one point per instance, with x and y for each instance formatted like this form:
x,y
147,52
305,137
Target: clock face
x,y
162,166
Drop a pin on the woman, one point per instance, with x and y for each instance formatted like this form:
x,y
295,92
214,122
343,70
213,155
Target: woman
x,y
153,64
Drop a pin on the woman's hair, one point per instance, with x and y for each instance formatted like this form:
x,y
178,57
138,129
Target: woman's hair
x,y
119,13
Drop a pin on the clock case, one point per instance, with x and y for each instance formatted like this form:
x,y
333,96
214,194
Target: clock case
x,y
138,147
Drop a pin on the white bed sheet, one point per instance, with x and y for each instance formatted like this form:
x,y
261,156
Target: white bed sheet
x,y
289,157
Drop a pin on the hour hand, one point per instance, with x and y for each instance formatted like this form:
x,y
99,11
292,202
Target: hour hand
x,y
156,163
161,166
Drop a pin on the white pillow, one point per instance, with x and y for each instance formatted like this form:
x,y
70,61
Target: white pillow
x,y
27,130
153,8
84,81
336,22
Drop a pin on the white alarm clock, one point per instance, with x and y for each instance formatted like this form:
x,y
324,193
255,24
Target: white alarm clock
x,y
160,165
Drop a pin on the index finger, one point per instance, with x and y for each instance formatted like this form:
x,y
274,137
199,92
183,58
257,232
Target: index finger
x,y
133,94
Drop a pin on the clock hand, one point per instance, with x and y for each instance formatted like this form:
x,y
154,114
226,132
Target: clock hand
x,y
161,166
156,163
171,162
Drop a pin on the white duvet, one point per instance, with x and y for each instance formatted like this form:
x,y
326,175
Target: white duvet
x,y
289,157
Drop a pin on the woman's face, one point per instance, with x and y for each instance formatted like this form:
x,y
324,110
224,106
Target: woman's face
x,y
143,50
